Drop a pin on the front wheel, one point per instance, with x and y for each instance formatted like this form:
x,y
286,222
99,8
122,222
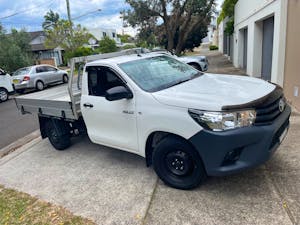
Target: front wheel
x,y
3,95
177,163
58,135
65,78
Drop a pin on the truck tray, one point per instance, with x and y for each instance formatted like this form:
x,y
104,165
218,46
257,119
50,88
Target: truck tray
x,y
54,102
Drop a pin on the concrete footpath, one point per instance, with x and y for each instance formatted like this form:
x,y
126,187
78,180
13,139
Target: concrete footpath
x,y
115,187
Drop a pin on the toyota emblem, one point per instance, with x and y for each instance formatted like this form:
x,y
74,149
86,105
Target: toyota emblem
x,y
281,105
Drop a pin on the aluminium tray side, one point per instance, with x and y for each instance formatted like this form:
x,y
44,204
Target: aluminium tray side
x,y
43,107
53,102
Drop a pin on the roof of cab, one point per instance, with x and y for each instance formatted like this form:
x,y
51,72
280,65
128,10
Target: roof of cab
x,y
123,59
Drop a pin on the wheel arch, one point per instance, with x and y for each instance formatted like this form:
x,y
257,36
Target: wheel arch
x,y
37,80
196,64
153,140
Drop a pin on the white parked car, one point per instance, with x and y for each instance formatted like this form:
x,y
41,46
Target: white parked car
x,y
198,62
6,87
186,124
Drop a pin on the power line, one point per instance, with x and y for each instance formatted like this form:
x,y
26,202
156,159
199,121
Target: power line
x,y
26,10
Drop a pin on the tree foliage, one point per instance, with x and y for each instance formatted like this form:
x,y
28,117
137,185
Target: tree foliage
x,y
14,50
67,36
81,51
178,18
228,11
51,20
107,45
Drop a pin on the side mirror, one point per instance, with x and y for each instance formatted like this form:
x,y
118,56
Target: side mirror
x,y
117,93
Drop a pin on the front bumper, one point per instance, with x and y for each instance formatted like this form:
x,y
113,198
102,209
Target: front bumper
x,y
250,146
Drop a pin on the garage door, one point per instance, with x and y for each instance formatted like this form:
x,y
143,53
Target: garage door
x,y
267,48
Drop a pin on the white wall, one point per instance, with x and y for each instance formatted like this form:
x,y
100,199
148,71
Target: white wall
x,y
251,14
98,33
38,40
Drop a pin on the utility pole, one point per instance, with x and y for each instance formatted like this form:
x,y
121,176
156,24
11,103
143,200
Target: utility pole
x,y
68,10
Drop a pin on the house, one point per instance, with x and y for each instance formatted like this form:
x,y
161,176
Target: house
x,y
40,51
100,33
266,42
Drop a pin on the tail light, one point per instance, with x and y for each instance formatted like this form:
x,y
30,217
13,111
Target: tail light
x,y
26,78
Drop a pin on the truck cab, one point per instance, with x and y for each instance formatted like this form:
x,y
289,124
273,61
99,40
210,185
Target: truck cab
x,y
6,87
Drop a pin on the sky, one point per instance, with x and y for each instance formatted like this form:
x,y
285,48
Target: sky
x,y
30,13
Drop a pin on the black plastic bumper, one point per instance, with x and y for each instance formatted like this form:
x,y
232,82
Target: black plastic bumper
x,y
251,146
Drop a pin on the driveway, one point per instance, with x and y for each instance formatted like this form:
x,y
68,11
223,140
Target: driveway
x,y
115,187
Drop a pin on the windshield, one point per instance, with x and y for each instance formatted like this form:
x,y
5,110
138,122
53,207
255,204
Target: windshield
x,y
22,71
157,73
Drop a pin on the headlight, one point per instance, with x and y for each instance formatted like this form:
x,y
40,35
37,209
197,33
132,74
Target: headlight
x,y
220,121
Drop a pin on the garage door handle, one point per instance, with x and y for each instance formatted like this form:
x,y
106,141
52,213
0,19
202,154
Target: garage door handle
x,y
88,105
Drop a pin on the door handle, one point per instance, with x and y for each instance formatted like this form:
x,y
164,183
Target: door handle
x,y
88,105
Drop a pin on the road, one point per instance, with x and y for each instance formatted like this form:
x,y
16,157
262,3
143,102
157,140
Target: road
x,y
14,125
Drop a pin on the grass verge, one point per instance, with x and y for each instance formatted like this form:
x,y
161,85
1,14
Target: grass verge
x,y
20,208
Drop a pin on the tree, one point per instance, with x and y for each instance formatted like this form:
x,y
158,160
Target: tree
x,y
14,50
51,20
228,11
67,36
107,45
177,17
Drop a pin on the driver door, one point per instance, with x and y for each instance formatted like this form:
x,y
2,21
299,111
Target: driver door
x,y
111,123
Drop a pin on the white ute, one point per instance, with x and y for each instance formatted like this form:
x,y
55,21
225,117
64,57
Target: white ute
x,y
188,125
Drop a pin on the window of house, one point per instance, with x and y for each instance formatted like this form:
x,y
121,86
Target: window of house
x,y
114,35
100,79
104,34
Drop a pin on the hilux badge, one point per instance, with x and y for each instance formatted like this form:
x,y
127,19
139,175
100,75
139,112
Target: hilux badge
x,y
281,105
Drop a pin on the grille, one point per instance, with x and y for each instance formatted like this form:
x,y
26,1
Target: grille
x,y
268,111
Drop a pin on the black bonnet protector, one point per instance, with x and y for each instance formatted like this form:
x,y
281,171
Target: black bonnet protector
x,y
266,100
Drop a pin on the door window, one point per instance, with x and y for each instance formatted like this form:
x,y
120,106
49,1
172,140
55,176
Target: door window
x,y
100,79
50,69
40,69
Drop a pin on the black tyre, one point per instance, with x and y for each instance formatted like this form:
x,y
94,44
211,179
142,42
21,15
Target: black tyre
x,y
196,66
39,85
65,78
177,163
3,95
58,136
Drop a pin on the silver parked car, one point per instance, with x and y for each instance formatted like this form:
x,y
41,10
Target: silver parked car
x,y
37,77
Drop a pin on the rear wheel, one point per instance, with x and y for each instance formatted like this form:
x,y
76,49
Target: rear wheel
x,y
177,163
58,134
65,78
40,85
3,95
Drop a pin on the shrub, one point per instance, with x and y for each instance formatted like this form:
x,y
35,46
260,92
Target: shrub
x,y
128,46
107,45
213,47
